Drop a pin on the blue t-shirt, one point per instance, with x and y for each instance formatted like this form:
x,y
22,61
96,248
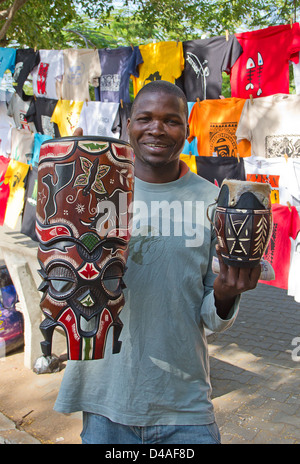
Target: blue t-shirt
x,y
7,60
116,67
190,148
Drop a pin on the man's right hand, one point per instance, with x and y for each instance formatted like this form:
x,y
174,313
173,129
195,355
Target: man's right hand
x,y
78,132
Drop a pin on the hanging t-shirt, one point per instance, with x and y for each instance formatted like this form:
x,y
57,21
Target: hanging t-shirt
x,y
217,169
6,124
214,123
119,127
294,273
162,61
26,60
271,124
38,140
190,160
21,145
7,60
17,109
6,87
190,148
294,180
97,118
273,171
263,67
66,115
81,68
30,199
4,187
116,67
286,225
15,176
205,60
48,73
40,113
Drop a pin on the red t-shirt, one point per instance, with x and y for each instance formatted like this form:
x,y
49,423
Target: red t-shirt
x,y
4,188
263,67
278,253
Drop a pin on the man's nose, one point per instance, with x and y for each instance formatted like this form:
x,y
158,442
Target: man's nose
x,y
156,127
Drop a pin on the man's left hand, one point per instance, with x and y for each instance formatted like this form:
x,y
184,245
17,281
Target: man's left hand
x,y
231,282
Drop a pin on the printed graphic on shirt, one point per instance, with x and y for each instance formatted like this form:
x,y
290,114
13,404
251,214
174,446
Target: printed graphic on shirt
x,y
201,70
269,253
33,198
273,180
18,69
222,139
110,83
152,77
42,78
282,145
47,125
254,73
75,74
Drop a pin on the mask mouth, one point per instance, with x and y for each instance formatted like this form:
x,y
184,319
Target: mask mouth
x,y
88,328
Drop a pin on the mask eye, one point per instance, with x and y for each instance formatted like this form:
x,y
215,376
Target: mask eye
x,y
111,279
62,281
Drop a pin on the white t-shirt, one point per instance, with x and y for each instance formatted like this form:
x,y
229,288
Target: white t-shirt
x,y
275,172
271,124
6,124
97,118
48,73
293,282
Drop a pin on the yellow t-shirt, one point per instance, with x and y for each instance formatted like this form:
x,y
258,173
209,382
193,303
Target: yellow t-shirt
x,y
66,115
190,160
15,176
162,61
214,123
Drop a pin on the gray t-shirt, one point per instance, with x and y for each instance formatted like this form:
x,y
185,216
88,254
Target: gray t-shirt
x,y
161,375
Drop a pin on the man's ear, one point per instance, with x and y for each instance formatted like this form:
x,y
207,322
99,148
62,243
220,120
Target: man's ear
x,y
128,123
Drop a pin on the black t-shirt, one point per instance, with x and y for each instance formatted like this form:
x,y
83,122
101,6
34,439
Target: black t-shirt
x,y
205,60
40,113
26,60
29,210
216,169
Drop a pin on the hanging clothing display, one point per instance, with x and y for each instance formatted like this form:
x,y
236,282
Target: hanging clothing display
x,y
205,60
97,118
17,109
22,142
294,180
190,148
30,199
7,60
4,187
273,171
294,272
26,60
161,61
6,124
15,176
119,127
81,68
214,123
271,135
38,140
48,73
117,64
40,113
66,115
217,169
286,225
190,160
263,67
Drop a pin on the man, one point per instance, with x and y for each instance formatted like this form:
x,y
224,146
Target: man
x,y
157,389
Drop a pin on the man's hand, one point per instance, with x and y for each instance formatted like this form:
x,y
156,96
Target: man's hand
x,y
230,282
78,132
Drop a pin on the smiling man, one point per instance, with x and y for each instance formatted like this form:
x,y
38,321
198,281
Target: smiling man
x,y
157,389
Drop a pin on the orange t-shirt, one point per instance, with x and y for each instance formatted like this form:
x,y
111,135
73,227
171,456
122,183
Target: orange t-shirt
x,y
214,123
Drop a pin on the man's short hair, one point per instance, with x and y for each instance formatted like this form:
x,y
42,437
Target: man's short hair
x,y
161,86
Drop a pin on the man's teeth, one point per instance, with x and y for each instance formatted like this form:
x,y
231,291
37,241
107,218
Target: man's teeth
x,y
156,145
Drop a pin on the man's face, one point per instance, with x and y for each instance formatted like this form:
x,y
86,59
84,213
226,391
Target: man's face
x,y
158,128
